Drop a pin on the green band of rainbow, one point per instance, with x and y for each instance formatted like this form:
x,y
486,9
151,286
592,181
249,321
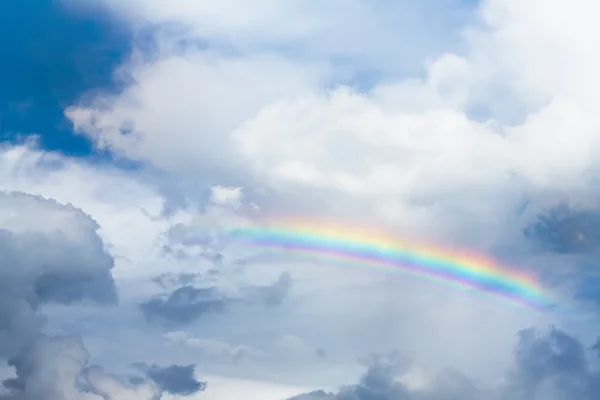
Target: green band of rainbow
x,y
376,250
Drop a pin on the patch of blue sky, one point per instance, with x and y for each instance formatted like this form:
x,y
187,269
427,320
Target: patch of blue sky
x,y
57,54
52,55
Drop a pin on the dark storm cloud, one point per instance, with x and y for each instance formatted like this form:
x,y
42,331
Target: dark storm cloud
x,y
52,52
175,379
547,366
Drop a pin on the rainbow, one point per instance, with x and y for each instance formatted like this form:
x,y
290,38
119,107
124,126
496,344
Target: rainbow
x,y
376,250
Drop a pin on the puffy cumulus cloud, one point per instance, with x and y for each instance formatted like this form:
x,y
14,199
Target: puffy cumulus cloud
x,y
192,61
436,155
510,40
114,387
113,197
48,368
131,129
57,368
51,254
547,365
476,150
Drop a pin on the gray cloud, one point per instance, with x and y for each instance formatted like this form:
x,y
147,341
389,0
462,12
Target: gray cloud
x,y
188,303
271,295
547,366
184,305
175,379
167,280
40,368
567,231
56,368
51,253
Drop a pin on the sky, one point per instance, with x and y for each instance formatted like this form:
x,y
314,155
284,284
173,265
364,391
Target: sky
x,y
195,199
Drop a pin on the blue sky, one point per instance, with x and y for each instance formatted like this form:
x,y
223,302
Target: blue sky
x,y
54,56
162,127
61,52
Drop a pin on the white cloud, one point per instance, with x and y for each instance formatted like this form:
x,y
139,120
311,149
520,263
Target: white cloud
x,y
409,147
180,114
450,156
113,198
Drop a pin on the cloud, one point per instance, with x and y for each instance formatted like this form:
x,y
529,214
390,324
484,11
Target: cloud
x,y
47,368
215,116
175,379
567,231
323,112
413,153
203,72
114,387
187,303
318,31
232,388
184,304
167,280
57,368
92,187
212,347
274,294
547,365
51,254
61,260
282,348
